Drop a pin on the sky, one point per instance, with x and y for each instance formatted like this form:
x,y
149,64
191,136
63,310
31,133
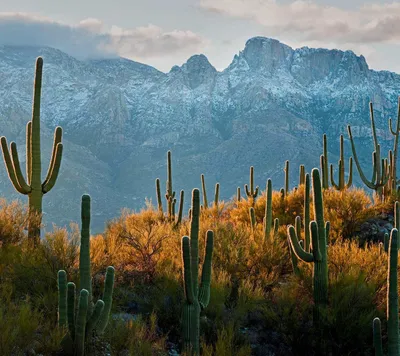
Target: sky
x,y
164,33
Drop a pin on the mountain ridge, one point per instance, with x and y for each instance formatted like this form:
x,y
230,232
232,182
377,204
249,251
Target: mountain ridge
x,y
120,117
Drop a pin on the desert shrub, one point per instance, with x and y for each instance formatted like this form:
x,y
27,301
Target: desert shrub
x,y
139,238
135,336
346,210
18,326
228,342
13,221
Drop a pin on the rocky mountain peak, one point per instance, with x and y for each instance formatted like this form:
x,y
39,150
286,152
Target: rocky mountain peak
x,y
196,71
267,54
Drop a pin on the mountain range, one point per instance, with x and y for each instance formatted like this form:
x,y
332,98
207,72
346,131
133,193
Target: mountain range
x,y
120,118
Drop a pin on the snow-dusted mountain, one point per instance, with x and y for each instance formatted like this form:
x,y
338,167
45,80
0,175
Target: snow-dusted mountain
x,y
120,117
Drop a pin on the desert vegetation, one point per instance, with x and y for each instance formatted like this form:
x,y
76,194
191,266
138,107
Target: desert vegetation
x,y
307,270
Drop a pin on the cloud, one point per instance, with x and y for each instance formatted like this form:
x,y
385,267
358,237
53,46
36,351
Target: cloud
x,y
90,38
307,20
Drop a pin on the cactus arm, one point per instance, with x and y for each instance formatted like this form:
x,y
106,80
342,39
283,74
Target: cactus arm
x,y
336,186
350,179
28,151
62,298
204,291
57,139
297,227
393,132
80,332
94,319
377,337
307,213
327,231
49,184
17,168
10,167
187,270
203,187
368,183
296,247
246,189
374,136
71,290
315,241
386,242
276,226
107,299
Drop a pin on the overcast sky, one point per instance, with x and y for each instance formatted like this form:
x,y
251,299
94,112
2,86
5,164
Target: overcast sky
x,y
163,33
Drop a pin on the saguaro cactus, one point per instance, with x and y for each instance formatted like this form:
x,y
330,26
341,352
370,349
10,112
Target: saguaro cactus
x,y
90,318
392,304
286,170
318,256
395,133
302,174
197,297
170,194
33,185
267,221
204,191
251,193
380,176
324,163
216,195
342,185
159,200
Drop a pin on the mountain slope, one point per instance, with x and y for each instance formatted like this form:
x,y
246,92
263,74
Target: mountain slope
x,y
270,104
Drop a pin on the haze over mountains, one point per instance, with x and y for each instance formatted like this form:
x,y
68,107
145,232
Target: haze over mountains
x,y
120,117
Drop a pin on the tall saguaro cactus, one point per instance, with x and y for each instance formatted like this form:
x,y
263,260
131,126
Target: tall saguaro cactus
x,y
379,176
393,167
252,192
197,296
341,184
90,317
33,185
319,231
392,304
170,194
267,221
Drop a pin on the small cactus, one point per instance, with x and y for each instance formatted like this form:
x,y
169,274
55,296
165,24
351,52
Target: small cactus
x,y
252,192
89,317
341,184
